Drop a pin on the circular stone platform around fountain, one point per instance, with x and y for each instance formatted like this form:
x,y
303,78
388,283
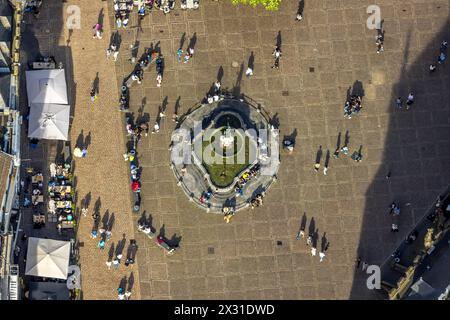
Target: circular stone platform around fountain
x,y
216,145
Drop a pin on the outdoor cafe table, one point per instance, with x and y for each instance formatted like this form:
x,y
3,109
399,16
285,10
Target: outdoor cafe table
x,y
63,204
60,189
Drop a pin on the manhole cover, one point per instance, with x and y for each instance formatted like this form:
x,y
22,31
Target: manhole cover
x,y
311,69
284,93
279,243
210,250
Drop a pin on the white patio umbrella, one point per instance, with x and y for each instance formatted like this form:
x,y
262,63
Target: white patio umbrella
x,y
47,258
49,121
46,86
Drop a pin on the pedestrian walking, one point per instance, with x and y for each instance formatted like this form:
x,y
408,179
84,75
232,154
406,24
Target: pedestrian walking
x,y
379,42
313,251
175,118
317,167
409,101
162,114
108,53
84,212
116,55
98,33
119,256
444,45
84,153
364,266
179,54
358,262
101,244
277,54
116,263
432,68
321,256
159,80
442,57
325,170
300,234
127,295
94,234
399,102
388,175
156,128
299,17
344,150
394,227
108,235
336,153
108,264
309,240
93,94
249,72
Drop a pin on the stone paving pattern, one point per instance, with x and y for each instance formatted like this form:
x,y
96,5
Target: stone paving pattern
x,y
333,39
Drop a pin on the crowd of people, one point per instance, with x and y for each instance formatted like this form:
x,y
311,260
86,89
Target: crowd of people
x,y
352,106
122,9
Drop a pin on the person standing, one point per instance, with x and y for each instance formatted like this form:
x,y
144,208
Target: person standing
x,y
277,54
97,31
179,54
394,228
399,102
249,72
409,101
321,255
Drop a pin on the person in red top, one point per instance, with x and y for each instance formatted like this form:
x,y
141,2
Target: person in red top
x,y
135,186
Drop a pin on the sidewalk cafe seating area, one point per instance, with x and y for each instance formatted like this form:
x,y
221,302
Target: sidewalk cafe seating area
x,y
61,206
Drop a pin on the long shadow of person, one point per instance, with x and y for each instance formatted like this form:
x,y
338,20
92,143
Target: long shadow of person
x,y
301,7
105,220
303,222
220,74
96,84
87,140
182,40
279,40
111,252
111,222
237,86
319,155
130,282
80,140
327,159
100,17
324,242
193,41
312,227
251,61
162,231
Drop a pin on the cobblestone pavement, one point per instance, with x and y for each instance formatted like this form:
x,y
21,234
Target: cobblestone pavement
x,y
322,56
103,172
